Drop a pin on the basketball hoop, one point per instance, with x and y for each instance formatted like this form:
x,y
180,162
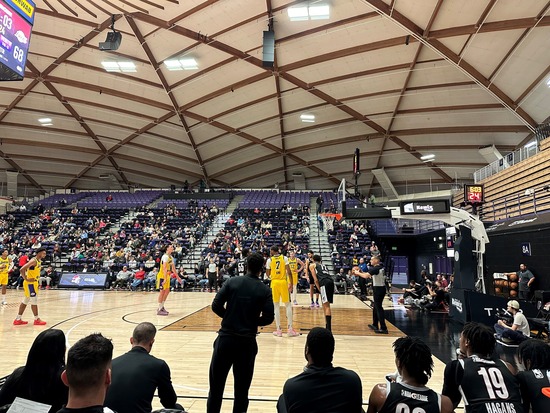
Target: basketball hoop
x,y
328,219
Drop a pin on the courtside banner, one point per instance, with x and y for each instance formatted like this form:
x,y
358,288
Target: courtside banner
x,y
82,280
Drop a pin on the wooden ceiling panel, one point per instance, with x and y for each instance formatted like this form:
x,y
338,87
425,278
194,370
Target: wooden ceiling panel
x,y
456,84
458,13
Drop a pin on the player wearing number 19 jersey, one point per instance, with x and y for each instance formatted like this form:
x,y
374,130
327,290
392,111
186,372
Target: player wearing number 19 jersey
x,y
485,384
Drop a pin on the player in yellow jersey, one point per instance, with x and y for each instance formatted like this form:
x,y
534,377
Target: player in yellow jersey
x,y
278,269
167,268
5,267
30,273
296,266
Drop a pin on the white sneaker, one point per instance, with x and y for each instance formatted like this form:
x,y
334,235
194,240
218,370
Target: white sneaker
x,y
4,302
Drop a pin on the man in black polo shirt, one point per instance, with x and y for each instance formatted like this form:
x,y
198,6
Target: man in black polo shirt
x,y
244,303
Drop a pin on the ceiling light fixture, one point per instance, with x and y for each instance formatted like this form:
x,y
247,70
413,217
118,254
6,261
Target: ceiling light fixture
x,y
120,67
186,63
530,144
307,118
45,121
427,157
113,40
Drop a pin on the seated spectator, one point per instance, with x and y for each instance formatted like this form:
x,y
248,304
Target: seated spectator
x,y
176,283
39,379
122,278
150,282
88,374
139,277
321,387
436,298
414,290
341,281
47,276
407,391
519,330
137,374
534,375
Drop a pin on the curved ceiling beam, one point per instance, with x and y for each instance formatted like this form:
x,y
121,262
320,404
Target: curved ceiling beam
x,y
410,27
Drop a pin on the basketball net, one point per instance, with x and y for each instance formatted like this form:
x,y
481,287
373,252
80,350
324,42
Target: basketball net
x,y
328,220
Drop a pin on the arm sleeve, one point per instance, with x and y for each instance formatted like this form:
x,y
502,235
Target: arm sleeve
x,y
218,304
268,311
450,383
166,391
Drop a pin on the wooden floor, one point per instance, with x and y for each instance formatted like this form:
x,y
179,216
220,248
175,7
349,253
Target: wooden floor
x,y
187,350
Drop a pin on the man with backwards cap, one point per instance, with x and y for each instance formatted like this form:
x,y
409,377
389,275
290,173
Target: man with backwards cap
x,y
519,330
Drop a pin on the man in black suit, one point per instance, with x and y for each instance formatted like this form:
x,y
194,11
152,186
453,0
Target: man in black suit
x,y
137,374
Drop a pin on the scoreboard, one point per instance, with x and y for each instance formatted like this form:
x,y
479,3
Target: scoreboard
x,y
16,20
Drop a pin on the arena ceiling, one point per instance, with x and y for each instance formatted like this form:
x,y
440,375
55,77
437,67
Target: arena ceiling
x,y
397,79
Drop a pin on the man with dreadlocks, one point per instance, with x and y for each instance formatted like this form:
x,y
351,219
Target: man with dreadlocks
x,y
534,380
486,384
414,362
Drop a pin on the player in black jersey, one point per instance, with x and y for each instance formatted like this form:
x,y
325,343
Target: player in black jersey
x,y
409,393
241,263
534,357
325,284
485,384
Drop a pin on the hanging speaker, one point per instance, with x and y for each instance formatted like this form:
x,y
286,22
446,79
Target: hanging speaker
x,y
268,49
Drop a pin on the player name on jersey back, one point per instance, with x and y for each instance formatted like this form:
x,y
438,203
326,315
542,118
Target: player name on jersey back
x,y
500,407
413,395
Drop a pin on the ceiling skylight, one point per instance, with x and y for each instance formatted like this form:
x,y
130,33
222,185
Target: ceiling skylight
x,y
120,67
309,11
187,63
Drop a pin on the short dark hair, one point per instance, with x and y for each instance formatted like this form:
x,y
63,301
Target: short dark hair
x,y
320,346
87,361
415,356
254,263
481,338
317,258
275,248
39,250
144,332
534,352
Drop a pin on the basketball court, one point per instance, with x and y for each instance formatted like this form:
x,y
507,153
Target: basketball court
x,y
185,339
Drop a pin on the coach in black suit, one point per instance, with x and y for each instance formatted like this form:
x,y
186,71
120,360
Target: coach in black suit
x,y
137,374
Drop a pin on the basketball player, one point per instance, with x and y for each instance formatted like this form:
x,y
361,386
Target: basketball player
x,y
486,385
534,380
278,270
296,266
312,286
325,284
5,266
414,362
241,263
167,268
30,273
